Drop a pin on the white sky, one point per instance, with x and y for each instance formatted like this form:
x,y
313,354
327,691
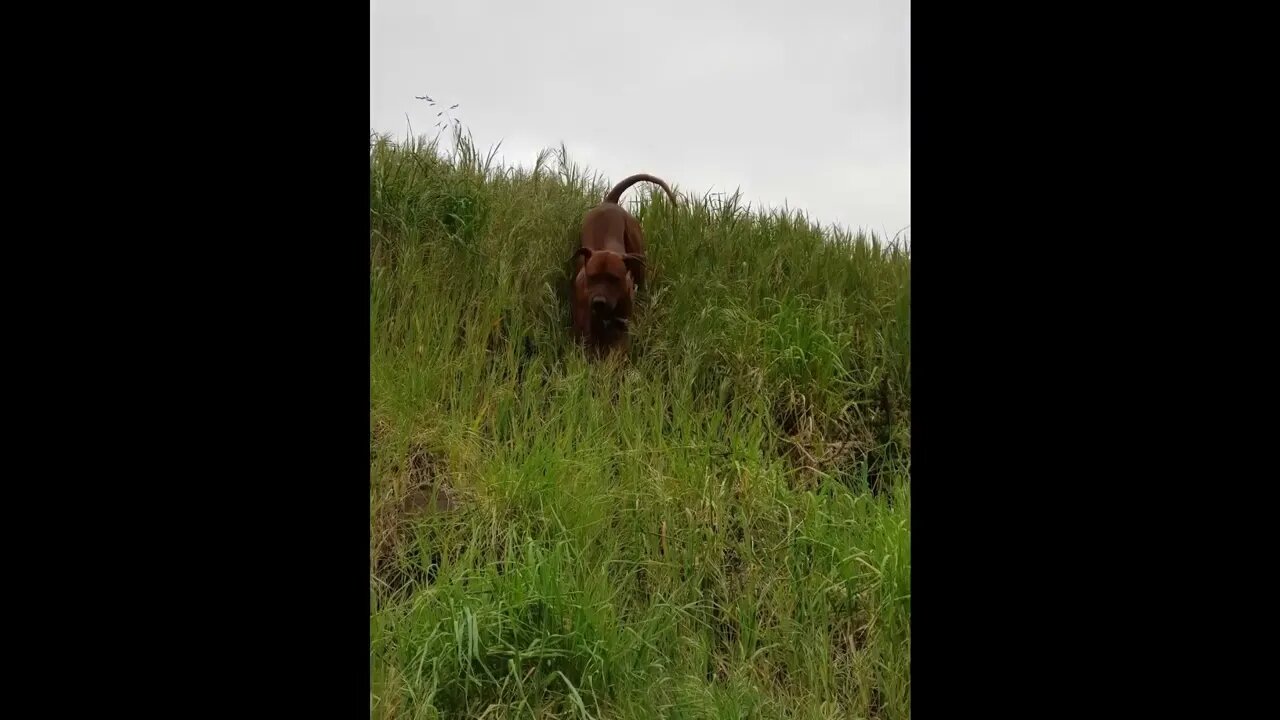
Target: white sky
x,y
806,101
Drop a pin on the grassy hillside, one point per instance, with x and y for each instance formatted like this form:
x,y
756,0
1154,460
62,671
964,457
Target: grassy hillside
x,y
718,527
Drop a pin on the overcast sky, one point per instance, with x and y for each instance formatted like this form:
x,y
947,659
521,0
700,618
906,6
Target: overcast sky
x,y
807,101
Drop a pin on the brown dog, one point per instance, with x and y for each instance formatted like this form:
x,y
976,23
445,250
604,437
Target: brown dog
x,y
609,267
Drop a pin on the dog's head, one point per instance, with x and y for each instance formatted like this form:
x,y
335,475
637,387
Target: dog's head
x,y
610,286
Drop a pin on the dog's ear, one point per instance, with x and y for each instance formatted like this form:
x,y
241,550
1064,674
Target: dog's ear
x,y
584,253
635,263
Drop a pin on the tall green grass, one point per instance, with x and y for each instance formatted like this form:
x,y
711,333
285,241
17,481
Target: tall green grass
x,y
717,526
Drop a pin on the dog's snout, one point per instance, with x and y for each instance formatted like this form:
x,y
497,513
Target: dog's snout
x,y
598,303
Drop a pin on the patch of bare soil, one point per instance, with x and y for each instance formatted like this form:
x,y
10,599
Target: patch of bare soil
x,y
396,559
863,440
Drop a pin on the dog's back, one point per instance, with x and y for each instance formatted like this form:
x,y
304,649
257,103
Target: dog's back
x,y
605,227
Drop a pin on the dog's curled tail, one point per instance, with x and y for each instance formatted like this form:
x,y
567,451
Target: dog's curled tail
x,y
616,193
